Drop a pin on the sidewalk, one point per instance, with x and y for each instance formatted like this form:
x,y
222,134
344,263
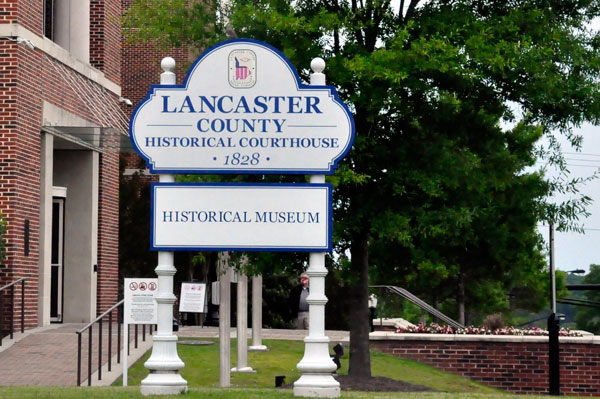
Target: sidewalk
x,y
48,356
292,335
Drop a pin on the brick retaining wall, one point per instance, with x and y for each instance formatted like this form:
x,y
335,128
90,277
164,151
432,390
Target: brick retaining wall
x,y
511,363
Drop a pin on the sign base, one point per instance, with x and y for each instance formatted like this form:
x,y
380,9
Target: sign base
x,y
247,370
163,384
258,348
317,386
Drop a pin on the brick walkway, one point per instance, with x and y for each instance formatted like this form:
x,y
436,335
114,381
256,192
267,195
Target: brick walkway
x,y
48,357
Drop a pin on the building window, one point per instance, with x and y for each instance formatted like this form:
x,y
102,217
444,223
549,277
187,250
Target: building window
x,y
49,19
67,23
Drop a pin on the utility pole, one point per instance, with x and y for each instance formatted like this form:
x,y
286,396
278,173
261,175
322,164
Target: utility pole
x,y
553,327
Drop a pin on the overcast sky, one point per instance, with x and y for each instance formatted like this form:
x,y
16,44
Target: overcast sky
x,y
574,250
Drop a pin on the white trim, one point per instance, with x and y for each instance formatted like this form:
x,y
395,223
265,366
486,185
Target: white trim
x,y
60,192
14,30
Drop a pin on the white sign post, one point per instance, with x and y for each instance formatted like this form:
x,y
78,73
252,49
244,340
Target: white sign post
x,y
316,365
139,307
164,363
242,109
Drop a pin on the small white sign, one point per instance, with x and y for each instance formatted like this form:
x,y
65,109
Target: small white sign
x,y
238,216
140,303
192,298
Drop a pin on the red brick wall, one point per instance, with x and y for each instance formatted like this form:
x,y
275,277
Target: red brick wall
x,y
108,226
8,11
27,78
19,173
29,14
8,151
518,367
140,66
105,37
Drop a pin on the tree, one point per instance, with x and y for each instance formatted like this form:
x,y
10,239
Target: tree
x,y
134,225
588,319
433,175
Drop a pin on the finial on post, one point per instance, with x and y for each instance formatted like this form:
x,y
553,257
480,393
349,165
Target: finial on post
x,y
317,77
168,76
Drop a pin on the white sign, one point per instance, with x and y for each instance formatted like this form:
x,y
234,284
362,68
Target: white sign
x,y
193,298
140,303
253,217
242,109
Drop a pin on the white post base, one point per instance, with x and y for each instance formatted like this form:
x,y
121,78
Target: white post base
x,y
317,386
258,348
248,370
164,365
163,384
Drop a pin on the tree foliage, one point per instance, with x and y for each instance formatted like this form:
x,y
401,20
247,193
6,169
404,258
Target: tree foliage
x,y
438,193
588,319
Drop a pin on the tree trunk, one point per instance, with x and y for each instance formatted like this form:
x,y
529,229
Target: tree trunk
x,y
461,298
360,359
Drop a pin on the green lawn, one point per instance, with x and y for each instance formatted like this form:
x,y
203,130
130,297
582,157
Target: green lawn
x,y
202,373
202,368
231,393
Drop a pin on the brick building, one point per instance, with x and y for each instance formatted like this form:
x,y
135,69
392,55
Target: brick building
x,y
61,123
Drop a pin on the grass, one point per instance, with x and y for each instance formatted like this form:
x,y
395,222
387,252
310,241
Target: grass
x,y
231,393
202,373
202,368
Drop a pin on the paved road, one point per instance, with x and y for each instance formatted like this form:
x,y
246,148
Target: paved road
x,y
48,356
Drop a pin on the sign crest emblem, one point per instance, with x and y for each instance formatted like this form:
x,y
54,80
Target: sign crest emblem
x,y
242,68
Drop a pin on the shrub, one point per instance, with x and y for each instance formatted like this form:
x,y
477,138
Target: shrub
x,y
435,328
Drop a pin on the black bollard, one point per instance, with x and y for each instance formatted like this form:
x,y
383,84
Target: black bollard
x,y
553,355
279,380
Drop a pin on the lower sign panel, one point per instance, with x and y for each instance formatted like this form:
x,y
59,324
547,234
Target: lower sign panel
x,y
241,217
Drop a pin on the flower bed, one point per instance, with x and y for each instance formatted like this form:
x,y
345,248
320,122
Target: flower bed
x,y
435,328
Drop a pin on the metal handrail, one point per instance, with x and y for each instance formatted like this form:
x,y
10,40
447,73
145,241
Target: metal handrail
x,y
113,307
583,287
89,327
13,283
12,307
579,302
421,304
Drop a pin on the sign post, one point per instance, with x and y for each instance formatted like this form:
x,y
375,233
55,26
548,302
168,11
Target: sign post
x,y
164,363
316,365
257,345
242,109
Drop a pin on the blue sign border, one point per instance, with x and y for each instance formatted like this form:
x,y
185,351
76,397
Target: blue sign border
x,y
329,217
332,92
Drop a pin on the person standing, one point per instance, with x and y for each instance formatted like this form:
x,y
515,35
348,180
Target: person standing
x,y
298,303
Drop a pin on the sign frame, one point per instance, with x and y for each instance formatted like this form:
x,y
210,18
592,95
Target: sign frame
x,y
331,92
328,219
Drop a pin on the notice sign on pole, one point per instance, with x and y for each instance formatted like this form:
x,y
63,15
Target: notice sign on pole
x,y
193,298
242,109
140,304
250,217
